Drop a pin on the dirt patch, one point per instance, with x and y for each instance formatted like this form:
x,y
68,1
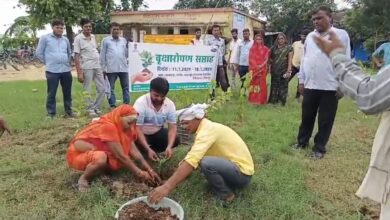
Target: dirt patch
x,y
141,211
30,73
166,172
123,187
128,188
371,213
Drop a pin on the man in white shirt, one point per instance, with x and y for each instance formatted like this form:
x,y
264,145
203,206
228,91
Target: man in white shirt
x,y
233,54
197,41
243,55
155,111
219,43
318,84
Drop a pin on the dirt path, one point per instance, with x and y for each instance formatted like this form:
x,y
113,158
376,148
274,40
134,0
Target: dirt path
x,y
31,73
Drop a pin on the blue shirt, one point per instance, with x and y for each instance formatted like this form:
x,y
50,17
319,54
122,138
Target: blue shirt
x,y
385,49
243,52
55,53
113,55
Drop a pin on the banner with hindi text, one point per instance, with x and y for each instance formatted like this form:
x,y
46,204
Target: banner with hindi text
x,y
184,66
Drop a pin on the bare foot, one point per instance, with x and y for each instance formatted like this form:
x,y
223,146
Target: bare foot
x,y
230,198
83,185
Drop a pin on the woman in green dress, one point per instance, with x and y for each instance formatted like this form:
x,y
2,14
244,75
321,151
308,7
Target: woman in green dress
x,y
281,56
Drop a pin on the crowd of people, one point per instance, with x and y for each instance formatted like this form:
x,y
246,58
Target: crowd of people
x,y
125,136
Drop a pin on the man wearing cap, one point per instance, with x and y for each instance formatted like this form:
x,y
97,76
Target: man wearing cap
x,y
222,155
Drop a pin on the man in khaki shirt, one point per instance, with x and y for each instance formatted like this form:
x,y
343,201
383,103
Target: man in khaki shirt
x,y
88,67
298,48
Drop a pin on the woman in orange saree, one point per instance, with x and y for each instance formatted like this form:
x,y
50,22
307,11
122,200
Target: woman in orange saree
x,y
108,144
258,67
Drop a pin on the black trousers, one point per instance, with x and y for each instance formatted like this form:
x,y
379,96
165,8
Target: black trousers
x,y
325,103
159,141
53,80
294,72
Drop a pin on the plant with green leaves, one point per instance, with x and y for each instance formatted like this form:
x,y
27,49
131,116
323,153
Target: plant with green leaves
x,y
147,60
79,104
242,98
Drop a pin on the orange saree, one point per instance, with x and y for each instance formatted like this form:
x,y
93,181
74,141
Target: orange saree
x,y
108,128
258,66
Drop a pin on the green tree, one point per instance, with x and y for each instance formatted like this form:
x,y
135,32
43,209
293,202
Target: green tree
x,y
101,25
131,5
22,27
43,11
241,5
289,16
368,20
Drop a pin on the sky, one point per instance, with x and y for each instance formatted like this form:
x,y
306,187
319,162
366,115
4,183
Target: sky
x,y
9,11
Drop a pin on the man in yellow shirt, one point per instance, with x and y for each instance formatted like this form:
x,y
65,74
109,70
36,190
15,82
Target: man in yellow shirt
x,y
298,48
220,152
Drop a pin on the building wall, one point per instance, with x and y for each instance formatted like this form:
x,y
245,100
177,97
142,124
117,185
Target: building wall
x,y
164,22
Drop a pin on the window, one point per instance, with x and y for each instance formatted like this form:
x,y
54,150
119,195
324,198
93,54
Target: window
x,y
184,31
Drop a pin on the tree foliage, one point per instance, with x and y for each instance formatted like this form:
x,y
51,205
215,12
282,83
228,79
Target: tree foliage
x,y
288,16
22,27
131,5
242,5
368,20
43,11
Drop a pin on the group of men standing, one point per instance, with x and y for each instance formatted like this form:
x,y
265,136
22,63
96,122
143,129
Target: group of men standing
x,y
55,52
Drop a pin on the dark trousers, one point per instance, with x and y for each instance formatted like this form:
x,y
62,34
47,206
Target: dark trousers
x,y
124,81
222,78
53,79
159,141
325,103
223,176
295,71
279,90
242,71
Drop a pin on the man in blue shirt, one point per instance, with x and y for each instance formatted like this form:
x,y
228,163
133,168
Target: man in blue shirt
x,y
113,58
55,52
381,56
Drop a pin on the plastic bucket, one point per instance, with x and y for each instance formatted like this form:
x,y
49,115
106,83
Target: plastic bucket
x,y
175,208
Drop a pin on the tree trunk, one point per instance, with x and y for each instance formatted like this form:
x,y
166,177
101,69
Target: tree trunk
x,y
69,34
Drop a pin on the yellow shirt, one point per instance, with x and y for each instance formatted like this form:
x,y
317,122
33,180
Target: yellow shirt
x,y
214,139
298,48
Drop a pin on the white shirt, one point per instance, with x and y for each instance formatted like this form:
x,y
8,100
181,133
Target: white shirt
x,y
197,42
233,49
219,44
150,120
243,52
316,70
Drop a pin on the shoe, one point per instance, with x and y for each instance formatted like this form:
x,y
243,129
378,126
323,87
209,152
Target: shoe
x,y
317,155
70,115
92,113
50,116
298,146
98,112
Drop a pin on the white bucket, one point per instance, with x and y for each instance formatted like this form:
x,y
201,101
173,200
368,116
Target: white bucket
x,y
175,208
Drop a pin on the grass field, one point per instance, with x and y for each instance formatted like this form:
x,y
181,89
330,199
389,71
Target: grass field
x,y
35,182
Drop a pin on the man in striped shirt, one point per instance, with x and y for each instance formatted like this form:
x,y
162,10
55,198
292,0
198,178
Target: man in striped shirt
x,y
372,95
